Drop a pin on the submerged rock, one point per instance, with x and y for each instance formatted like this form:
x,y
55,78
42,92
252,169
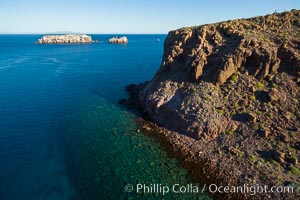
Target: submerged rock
x,y
65,39
121,40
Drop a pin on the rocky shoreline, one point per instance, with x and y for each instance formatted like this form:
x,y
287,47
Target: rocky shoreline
x,y
225,101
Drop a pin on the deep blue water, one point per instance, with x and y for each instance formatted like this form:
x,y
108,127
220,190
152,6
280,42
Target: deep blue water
x,y
62,133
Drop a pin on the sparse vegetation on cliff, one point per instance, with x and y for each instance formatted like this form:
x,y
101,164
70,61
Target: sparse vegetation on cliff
x,y
230,89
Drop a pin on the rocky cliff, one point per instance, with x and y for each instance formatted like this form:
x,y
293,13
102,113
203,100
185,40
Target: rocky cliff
x,y
188,93
214,52
65,39
231,90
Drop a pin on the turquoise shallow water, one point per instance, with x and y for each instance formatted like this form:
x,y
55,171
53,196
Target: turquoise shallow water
x,y
62,133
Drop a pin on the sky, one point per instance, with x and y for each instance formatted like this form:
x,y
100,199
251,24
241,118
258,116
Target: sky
x,y
127,16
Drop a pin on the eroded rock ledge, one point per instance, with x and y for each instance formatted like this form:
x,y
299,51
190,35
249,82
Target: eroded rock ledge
x,y
65,39
231,89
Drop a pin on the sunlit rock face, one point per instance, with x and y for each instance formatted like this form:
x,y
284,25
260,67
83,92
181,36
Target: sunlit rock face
x,y
65,39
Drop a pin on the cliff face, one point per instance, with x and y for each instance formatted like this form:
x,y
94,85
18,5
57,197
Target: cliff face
x,y
210,71
214,52
226,97
65,39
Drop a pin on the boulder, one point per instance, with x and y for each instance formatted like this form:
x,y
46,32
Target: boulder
x,y
274,95
264,133
278,156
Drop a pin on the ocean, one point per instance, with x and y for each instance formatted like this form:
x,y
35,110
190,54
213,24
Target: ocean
x,y
63,134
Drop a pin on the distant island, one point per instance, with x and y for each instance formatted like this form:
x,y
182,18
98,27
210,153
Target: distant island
x,y
226,101
121,40
65,39
77,39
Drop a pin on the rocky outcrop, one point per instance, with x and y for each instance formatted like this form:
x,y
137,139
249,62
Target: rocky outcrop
x,y
121,40
65,39
183,96
214,52
227,98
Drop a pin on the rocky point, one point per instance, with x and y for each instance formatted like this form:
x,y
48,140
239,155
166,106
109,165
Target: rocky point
x,y
227,96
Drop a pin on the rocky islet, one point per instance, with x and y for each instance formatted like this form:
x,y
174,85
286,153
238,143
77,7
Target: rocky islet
x,y
120,40
77,39
65,39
